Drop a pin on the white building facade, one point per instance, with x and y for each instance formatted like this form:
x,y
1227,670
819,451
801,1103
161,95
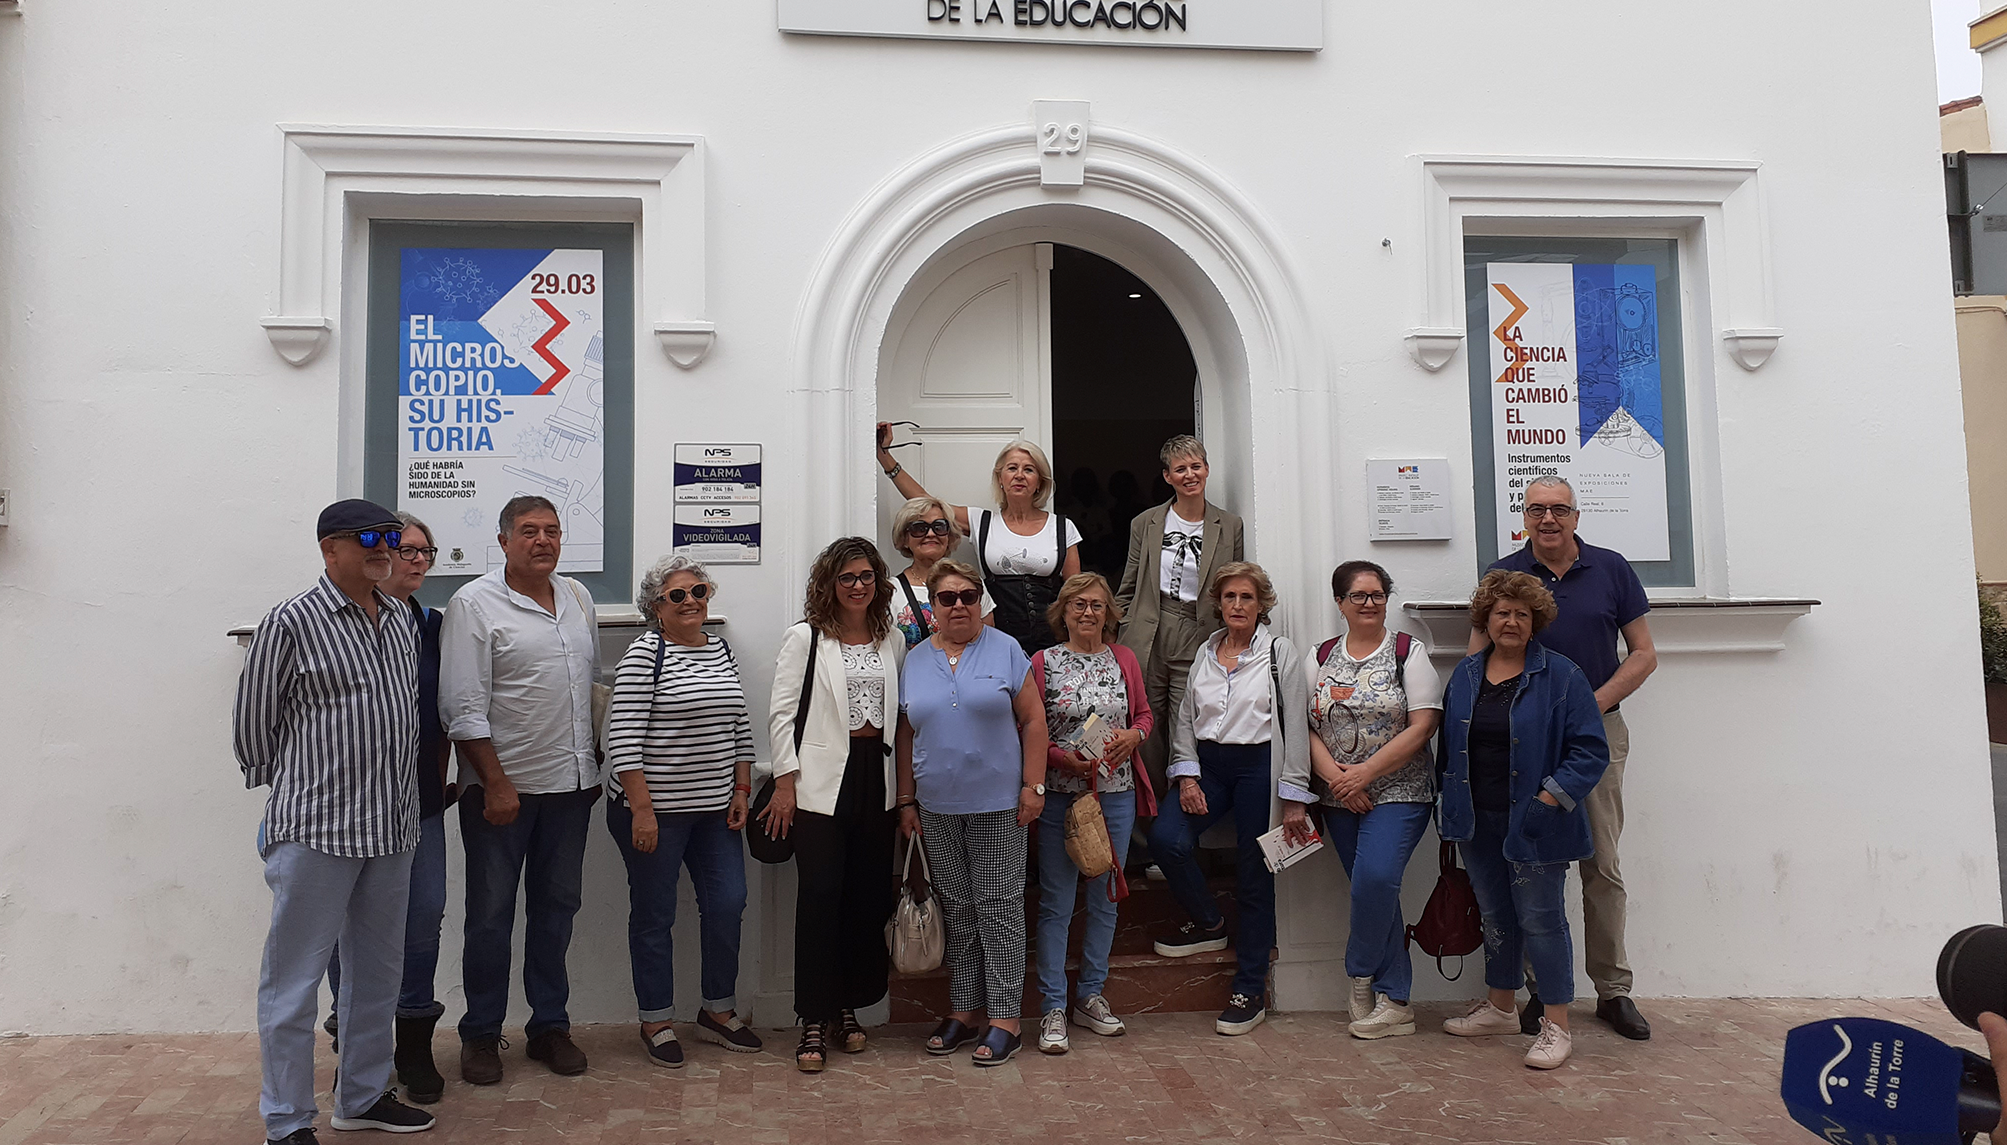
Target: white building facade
x,y
204,209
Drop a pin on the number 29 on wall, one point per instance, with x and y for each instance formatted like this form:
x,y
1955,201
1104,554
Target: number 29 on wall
x,y
562,284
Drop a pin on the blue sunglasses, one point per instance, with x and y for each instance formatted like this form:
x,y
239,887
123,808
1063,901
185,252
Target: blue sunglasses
x,y
370,538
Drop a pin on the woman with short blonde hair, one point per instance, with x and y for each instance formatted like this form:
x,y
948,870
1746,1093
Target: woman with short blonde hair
x,y
1025,552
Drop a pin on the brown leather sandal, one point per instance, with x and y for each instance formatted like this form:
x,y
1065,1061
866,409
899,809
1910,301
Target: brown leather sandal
x,y
810,1056
854,1037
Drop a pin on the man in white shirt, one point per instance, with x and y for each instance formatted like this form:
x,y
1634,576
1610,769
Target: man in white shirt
x,y
518,657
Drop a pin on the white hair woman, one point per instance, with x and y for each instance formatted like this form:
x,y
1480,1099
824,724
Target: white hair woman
x,y
1025,552
924,531
679,753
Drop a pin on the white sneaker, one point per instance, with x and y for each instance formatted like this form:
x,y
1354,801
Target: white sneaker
x,y
1551,1048
1361,1003
1389,1019
1483,1020
1052,1032
1094,1013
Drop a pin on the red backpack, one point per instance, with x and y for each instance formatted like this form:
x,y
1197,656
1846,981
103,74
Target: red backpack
x,y
1451,925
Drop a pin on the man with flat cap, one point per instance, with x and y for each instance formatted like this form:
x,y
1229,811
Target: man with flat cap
x,y
327,715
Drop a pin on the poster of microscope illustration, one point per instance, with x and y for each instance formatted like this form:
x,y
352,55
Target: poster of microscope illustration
x,y
1575,392
501,394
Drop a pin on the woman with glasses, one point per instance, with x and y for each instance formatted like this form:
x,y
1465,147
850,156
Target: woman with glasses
x,y
833,795
1095,717
679,755
418,1010
971,777
1025,552
1374,702
1523,746
923,530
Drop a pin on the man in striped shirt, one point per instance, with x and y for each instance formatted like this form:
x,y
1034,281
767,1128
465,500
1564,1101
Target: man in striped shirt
x,y
327,714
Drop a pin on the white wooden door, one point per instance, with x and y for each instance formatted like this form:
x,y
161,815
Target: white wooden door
x,y
971,362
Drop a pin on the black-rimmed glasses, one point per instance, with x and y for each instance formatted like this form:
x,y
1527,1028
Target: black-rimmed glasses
x,y
852,580
1558,512
414,554
967,596
939,528
1366,597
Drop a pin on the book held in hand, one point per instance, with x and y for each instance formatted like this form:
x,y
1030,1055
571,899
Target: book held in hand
x,y
1280,854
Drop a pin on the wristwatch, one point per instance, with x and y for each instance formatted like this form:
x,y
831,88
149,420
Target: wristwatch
x,y
1037,789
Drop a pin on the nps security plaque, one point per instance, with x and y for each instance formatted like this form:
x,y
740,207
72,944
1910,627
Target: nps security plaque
x,y
718,503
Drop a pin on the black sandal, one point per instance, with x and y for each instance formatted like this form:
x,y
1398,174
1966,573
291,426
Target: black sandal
x,y
854,1037
950,1036
811,1043
1000,1051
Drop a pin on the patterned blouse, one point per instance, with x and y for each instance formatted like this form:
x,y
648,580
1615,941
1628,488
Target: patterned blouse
x,y
864,683
1078,686
1357,706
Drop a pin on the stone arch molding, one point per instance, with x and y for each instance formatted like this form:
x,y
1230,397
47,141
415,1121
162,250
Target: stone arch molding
x,y
1171,220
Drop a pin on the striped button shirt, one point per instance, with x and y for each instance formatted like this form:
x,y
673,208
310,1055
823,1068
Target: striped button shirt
x,y
686,735
327,713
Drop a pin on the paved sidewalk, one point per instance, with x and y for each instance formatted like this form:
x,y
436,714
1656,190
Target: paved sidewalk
x,y
1708,1075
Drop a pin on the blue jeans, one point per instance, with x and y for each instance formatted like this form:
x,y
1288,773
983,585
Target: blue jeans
x,y
717,861
1235,780
543,848
1057,880
1375,848
317,899
1524,917
421,925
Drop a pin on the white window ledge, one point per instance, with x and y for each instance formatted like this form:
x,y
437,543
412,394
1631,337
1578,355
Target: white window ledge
x,y
608,618
1711,624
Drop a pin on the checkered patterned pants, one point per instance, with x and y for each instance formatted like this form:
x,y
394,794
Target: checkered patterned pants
x,y
978,865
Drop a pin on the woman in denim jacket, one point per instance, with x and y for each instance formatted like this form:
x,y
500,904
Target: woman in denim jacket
x,y
1522,746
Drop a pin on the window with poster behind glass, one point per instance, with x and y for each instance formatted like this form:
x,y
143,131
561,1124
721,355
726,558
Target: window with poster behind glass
x,y
501,362
1577,369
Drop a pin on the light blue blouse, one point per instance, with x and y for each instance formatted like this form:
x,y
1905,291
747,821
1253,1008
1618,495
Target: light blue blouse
x,y
967,758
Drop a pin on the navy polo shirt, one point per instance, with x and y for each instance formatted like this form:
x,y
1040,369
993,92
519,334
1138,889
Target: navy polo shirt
x,y
1597,597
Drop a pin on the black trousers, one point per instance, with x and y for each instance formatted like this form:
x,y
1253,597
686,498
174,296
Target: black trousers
x,y
844,892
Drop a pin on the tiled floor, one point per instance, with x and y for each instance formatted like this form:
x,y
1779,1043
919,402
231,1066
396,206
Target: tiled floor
x,y
1708,1075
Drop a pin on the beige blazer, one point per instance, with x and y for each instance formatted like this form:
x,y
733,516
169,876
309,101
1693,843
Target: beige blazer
x,y
825,742
1223,542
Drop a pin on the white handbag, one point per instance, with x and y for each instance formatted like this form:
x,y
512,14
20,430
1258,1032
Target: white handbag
x,y
915,935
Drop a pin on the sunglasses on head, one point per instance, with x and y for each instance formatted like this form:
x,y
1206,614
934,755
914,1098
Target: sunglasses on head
x,y
694,592
940,528
967,596
370,538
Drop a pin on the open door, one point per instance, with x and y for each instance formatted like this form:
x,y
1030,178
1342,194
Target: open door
x,y
971,363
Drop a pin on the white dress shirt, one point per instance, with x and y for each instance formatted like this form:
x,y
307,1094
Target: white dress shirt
x,y
515,674
1230,707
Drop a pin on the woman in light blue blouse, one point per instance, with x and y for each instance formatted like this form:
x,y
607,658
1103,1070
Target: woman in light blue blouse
x,y
971,752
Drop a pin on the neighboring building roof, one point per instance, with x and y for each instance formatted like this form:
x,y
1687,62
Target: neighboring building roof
x,y
1989,29
1955,105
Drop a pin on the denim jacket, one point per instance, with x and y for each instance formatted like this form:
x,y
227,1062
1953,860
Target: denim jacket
x,y
1557,746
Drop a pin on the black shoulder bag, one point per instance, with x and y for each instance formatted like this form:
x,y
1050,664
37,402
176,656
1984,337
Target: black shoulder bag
x,y
919,611
763,846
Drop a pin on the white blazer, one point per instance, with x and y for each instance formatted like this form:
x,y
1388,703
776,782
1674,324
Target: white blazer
x,y
825,740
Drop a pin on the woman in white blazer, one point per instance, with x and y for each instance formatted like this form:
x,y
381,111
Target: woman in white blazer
x,y
833,796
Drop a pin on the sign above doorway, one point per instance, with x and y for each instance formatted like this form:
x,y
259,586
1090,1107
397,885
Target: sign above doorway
x,y
1273,25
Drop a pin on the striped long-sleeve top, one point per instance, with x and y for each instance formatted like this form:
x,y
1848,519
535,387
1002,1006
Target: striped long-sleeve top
x,y
327,713
685,734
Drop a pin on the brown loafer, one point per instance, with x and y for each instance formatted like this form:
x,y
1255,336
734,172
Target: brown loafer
x,y
481,1060
555,1049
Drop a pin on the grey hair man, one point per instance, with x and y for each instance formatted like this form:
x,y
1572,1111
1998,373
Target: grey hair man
x,y
1601,599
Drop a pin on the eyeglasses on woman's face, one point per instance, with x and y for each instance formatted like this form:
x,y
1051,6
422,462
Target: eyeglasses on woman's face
x,y
966,597
854,579
1088,607
939,527
414,554
694,592
1364,598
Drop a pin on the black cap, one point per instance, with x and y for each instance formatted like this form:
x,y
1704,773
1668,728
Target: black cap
x,y
354,514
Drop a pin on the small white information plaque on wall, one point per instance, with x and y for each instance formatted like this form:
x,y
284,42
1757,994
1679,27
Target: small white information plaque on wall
x,y
1410,499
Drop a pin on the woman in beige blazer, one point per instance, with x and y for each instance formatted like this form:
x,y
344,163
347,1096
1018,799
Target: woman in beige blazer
x,y
1174,551
833,796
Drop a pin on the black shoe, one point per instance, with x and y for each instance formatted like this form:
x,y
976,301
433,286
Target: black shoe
x,y
1191,939
663,1048
555,1049
731,1033
1622,1015
1241,1015
416,1071
481,1060
1529,1015
296,1137
389,1115
333,1027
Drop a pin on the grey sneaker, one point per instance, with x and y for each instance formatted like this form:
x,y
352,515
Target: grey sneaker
x,y
1389,1019
1094,1013
1361,1002
1052,1032
1551,1048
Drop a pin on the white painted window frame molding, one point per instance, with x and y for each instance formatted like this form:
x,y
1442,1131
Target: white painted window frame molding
x,y
1720,200
326,167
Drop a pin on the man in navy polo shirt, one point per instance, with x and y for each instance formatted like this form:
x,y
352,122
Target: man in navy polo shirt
x,y
1600,597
